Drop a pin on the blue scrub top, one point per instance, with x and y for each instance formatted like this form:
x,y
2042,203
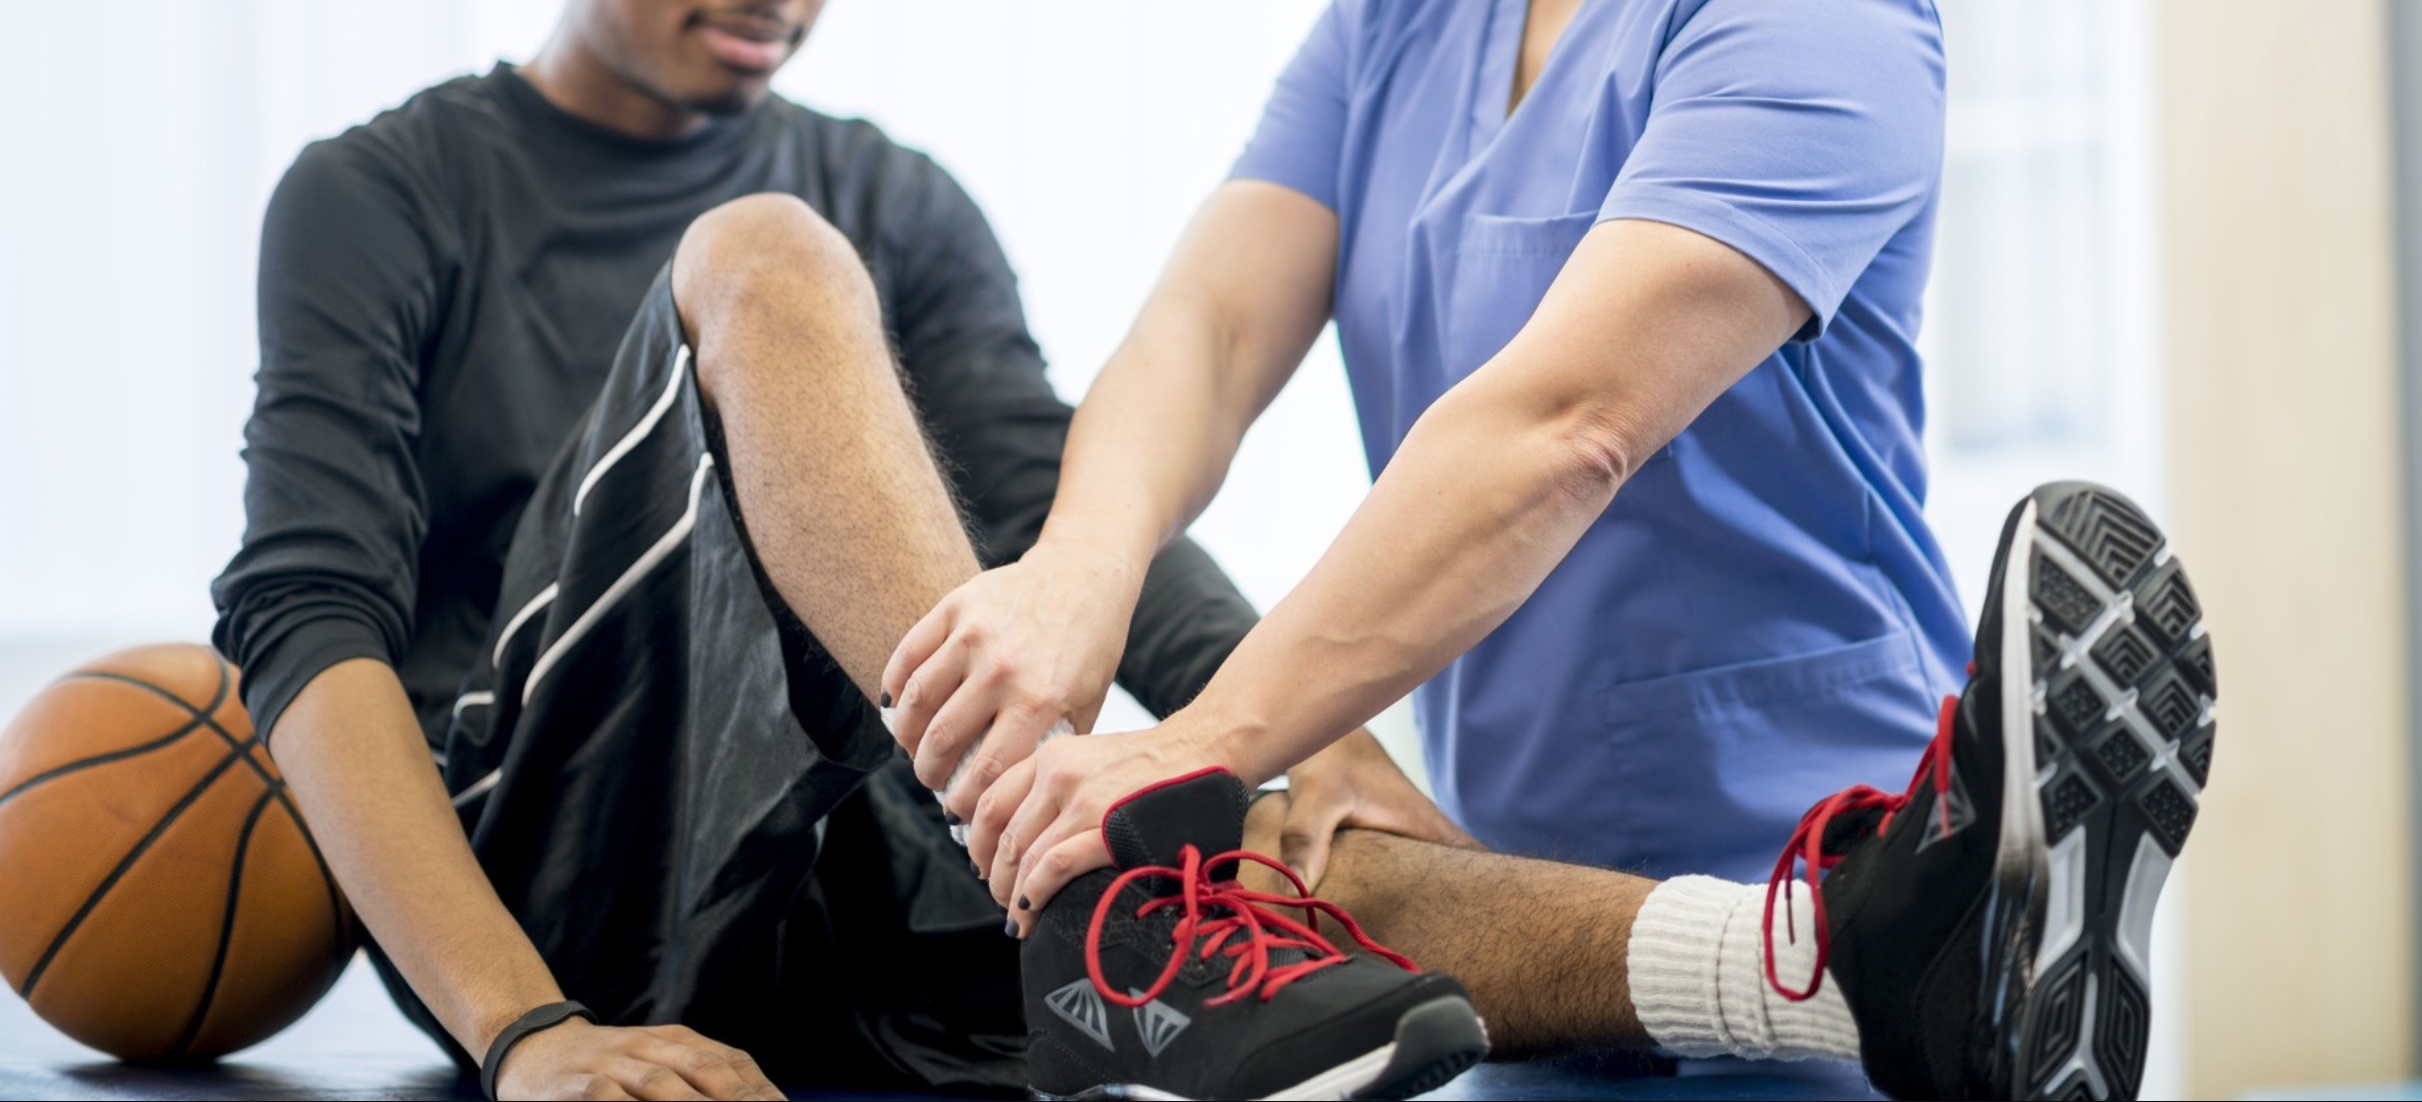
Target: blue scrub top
x,y
1762,616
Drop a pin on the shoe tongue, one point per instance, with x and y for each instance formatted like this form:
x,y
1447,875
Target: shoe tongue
x,y
1153,826
1847,830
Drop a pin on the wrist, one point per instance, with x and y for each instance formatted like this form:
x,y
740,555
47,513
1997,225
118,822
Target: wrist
x,y
1229,738
539,1019
1117,552
494,1014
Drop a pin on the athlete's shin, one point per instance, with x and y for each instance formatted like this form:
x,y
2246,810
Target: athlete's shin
x,y
1541,946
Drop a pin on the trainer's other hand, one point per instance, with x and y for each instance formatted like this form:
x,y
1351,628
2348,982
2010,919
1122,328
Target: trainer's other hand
x,y
1001,659
580,1060
1354,783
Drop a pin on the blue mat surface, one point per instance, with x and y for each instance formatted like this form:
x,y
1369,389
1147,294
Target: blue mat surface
x,y
355,1045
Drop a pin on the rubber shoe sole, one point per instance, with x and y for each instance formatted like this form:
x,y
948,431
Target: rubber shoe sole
x,y
2107,689
1435,1042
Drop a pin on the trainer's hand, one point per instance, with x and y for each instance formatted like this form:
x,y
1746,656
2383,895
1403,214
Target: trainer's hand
x,y
580,1060
1039,827
1005,656
1354,783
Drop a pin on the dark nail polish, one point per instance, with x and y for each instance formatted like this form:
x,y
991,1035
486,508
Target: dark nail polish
x,y
952,818
979,870
1023,905
885,700
1010,927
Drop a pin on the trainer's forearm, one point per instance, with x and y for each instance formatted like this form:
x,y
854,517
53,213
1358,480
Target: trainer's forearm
x,y
1154,437
1493,486
1244,296
359,767
1477,506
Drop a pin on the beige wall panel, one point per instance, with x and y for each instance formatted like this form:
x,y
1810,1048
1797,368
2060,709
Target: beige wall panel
x,y
2282,363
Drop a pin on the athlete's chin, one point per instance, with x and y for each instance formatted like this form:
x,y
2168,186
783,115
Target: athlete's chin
x,y
724,94
734,101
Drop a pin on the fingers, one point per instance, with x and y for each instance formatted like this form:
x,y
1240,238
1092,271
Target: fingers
x,y
590,1087
915,649
630,1062
1016,731
1031,830
1314,812
1046,873
991,817
713,1070
651,1080
924,692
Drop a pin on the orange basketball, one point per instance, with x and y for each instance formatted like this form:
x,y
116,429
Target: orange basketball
x,y
159,897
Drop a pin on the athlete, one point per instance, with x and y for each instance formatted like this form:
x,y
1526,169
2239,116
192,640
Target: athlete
x,y
1629,294
536,346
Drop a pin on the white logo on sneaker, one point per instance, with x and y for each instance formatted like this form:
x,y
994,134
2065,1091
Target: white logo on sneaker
x,y
1158,1023
1082,1006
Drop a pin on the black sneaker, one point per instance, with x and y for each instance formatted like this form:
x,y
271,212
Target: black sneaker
x,y
1991,927
1167,979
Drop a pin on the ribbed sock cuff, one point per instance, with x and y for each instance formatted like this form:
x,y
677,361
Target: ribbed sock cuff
x,y
1675,944
1698,976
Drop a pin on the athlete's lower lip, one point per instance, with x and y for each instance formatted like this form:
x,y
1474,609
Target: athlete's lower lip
x,y
747,43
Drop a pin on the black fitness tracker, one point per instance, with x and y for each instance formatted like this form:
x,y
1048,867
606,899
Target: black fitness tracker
x,y
550,1015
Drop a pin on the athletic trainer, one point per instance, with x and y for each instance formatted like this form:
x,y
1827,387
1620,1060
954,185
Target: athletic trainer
x,y
1629,294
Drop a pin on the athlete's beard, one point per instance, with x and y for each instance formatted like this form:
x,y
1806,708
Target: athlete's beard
x,y
725,106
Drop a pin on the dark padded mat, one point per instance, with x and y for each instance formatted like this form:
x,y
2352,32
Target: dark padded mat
x,y
355,1045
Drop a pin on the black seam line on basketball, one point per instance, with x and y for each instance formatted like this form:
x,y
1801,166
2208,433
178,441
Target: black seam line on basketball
x,y
218,695
336,901
99,759
93,900
196,719
277,785
218,960
206,717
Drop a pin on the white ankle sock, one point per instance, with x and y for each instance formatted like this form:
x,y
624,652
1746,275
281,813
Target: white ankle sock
x,y
1698,976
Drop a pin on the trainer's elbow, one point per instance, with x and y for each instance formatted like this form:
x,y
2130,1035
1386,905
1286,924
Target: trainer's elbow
x,y
1592,450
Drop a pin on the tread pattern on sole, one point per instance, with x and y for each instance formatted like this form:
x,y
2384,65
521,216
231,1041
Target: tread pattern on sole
x,y
2125,683
1437,1074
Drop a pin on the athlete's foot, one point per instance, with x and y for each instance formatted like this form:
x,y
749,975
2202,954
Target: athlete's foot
x,y
1990,927
1165,978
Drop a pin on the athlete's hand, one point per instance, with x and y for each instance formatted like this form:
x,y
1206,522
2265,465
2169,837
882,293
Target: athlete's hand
x,y
1039,827
580,1060
1004,657
1354,783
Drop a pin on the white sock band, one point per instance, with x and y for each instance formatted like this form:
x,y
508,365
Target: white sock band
x,y
1698,976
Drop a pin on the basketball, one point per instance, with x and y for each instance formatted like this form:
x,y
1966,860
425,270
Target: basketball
x,y
162,900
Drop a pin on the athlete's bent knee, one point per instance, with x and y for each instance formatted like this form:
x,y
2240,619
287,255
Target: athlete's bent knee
x,y
756,246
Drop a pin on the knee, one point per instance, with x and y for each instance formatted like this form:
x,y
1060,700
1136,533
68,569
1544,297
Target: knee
x,y
759,245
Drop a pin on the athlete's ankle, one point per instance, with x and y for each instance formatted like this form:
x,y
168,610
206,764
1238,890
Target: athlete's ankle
x,y
1698,976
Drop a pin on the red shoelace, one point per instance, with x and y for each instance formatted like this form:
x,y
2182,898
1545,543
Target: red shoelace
x,y
1807,846
1262,930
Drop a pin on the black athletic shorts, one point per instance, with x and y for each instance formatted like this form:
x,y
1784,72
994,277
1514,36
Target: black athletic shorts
x,y
694,815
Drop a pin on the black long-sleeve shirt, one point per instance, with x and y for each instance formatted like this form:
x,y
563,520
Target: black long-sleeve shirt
x,y
442,291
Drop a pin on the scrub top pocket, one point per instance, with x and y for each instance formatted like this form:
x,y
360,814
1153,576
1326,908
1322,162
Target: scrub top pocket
x,y
1503,267
1698,751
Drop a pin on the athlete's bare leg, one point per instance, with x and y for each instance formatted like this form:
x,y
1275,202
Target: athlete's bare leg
x,y
1542,946
844,505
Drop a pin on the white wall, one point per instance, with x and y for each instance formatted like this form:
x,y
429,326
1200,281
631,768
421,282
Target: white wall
x,y
129,213
1089,131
